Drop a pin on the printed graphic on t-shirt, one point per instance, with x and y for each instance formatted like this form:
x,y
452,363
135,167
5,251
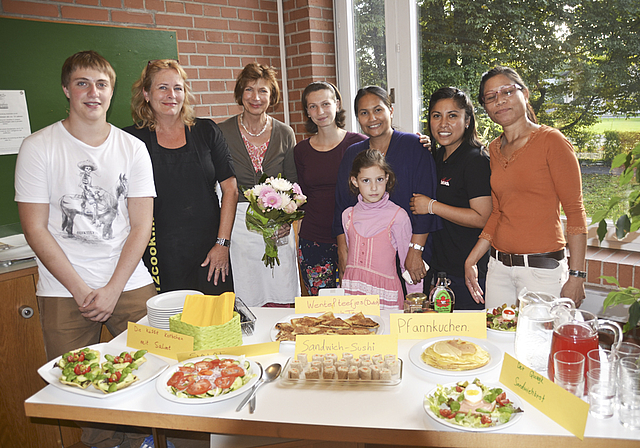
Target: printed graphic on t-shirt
x,y
445,181
94,204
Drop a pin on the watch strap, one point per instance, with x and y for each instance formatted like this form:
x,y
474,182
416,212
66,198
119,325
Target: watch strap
x,y
223,242
416,246
580,274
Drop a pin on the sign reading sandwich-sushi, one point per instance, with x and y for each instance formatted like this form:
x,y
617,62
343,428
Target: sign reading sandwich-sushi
x,y
356,344
429,325
368,305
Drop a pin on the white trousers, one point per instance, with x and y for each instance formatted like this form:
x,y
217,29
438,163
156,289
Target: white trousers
x,y
504,282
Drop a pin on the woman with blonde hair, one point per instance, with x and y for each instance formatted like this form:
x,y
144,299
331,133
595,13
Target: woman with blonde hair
x,y
190,246
259,145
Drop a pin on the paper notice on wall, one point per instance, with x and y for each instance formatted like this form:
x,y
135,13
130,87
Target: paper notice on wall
x,y
14,120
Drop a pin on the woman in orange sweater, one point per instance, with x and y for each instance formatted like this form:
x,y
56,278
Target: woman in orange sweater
x,y
534,171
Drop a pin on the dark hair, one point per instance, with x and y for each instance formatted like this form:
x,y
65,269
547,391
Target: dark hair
x,y
309,125
253,72
141,111
367,159
86,59
374,90
462,101
514,77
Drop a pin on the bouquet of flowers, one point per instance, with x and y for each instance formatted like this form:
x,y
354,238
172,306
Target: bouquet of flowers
x,y
273,202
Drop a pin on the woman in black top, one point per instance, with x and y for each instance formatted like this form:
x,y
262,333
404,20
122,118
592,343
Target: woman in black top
x,y
189,247
463,191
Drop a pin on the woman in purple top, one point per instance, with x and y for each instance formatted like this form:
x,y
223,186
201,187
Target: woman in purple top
x,y
317,160
412,164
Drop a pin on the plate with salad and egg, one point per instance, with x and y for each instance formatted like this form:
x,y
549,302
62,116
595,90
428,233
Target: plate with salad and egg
x,y
473,406
502,320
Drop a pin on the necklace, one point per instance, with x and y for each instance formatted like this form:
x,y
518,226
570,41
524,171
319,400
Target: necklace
x,y
247,130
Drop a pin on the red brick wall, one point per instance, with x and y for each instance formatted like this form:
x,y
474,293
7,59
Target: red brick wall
x,y
216,38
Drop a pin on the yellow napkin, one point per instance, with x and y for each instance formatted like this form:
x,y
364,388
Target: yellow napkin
x,y
204,311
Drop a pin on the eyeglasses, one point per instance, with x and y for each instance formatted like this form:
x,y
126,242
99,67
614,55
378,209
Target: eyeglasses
x,y
504,91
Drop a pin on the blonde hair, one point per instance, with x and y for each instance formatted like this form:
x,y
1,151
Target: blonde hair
x,y
141,111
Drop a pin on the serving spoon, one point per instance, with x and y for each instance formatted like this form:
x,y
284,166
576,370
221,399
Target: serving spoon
x,y
271,373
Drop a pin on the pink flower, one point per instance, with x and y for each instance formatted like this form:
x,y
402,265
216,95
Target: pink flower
x,y
297,189
290,207
271,199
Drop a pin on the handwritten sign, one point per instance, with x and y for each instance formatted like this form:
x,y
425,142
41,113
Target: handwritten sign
x,y
563,407
339,304
247,350
159,342
430,325
383,344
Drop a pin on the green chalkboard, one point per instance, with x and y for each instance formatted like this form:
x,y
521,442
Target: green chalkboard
x,y
32,54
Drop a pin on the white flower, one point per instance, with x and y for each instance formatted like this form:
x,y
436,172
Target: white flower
x,y
256,190
281,184
286,200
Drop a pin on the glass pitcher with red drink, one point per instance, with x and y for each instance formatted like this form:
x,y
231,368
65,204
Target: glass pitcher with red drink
x,y
577,330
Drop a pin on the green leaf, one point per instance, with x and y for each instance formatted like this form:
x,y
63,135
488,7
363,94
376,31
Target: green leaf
x,y
602,230
618,298
626,176
614,200
623,225
610,279
634,315
600,215
618,160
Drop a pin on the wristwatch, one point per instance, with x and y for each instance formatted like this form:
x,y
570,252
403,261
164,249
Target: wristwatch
x,y
580,274
416,246
223,242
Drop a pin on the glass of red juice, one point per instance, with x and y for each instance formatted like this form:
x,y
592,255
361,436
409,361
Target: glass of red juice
x,y
577,330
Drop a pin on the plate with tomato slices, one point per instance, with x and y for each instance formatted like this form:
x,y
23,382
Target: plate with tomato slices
x,y
208,379
146,372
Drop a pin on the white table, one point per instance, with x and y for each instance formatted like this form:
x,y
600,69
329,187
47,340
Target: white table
x,y
383,415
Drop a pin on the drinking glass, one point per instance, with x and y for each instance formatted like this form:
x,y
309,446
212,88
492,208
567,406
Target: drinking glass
x,y
629,391
601,387
603,359
627,348
569,371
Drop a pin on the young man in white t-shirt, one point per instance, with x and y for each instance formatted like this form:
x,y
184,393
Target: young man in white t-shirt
x,y
85,193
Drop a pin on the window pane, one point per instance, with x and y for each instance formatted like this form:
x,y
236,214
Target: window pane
x,y
371,49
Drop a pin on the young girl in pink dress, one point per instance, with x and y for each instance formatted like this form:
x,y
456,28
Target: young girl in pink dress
x,y
375,229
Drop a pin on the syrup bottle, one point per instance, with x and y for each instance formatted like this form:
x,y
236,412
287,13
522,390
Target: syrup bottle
x,y
442,298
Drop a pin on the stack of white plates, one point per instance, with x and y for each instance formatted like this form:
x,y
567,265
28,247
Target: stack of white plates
x,y
161,307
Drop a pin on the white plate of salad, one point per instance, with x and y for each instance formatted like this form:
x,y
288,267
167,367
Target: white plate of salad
x,y
502,320
473,406
208,379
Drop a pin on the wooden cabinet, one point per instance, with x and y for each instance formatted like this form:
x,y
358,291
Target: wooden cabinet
x,y
22,353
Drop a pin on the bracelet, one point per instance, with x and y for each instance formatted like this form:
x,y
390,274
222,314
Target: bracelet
x,y
580,274
431,206
416,246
